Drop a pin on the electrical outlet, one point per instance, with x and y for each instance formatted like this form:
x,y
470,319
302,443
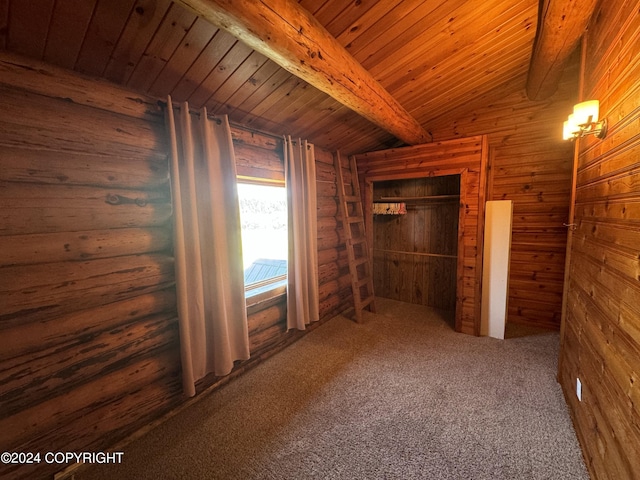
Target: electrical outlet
x,y
579,389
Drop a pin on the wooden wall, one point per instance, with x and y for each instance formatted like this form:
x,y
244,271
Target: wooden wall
x,y
88,328
260,155
267,322
415,254
465,157
531,165
333,265
89,349
601,327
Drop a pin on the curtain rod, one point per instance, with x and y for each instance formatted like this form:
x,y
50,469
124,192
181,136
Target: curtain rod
x,y
239,126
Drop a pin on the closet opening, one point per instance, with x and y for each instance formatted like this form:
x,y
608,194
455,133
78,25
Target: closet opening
x,y
416,243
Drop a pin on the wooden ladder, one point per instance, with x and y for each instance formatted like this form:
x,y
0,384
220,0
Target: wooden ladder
x,y
356,239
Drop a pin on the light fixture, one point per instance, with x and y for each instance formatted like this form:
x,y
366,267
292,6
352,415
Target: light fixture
x,y
584,121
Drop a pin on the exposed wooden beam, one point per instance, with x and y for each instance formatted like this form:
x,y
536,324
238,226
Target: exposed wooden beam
x,y
289,35
560,26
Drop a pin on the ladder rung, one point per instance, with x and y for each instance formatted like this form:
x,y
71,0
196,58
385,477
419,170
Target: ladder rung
x,y
364,282
360,261
366,301
355,219
351,198
355,241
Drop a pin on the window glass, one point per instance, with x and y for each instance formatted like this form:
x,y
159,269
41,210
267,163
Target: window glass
x,y
263,213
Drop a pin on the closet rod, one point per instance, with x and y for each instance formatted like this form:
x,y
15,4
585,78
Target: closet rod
x,y
420,254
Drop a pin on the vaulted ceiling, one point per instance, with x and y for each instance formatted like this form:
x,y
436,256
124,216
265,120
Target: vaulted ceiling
x,y
432,56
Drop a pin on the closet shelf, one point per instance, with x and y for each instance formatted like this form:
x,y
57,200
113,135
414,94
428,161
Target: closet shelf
x,y
425,198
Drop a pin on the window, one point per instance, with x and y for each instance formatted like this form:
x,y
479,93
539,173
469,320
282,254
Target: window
x,y
263,214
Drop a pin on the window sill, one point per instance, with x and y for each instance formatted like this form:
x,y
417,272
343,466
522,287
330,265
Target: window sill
x,y
265,293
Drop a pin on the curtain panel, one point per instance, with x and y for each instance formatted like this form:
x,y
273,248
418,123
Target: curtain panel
x,y
302,276
207,244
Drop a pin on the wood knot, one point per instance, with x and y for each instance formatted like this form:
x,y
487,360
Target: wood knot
x,y
113,199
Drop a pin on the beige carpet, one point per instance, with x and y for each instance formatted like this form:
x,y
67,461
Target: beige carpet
x,y
401,396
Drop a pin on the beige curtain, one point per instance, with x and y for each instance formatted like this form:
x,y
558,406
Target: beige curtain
x,y
302,287
208,248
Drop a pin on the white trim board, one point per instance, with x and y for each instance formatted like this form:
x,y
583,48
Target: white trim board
x,y
495,273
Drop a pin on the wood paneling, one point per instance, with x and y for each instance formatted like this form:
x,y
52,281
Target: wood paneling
x,y
530,165
415,254
135,36
431,56
89,348
601,334
107,22
467,158
293,38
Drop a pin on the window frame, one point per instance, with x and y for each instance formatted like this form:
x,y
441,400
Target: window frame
x,y
280,282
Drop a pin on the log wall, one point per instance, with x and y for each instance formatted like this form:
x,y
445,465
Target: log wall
x,y
464,157
531,165
260,155
88,324
89,349
601,325
415,254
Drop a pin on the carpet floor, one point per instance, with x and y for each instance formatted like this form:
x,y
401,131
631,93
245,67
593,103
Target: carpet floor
x,y
401,396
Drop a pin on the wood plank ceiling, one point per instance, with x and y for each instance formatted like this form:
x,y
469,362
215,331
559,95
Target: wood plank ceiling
x,y
433,56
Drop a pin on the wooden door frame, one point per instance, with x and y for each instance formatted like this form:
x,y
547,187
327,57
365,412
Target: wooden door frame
x,y
367,192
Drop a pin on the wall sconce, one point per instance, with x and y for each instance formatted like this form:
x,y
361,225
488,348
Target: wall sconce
x,y
584,121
